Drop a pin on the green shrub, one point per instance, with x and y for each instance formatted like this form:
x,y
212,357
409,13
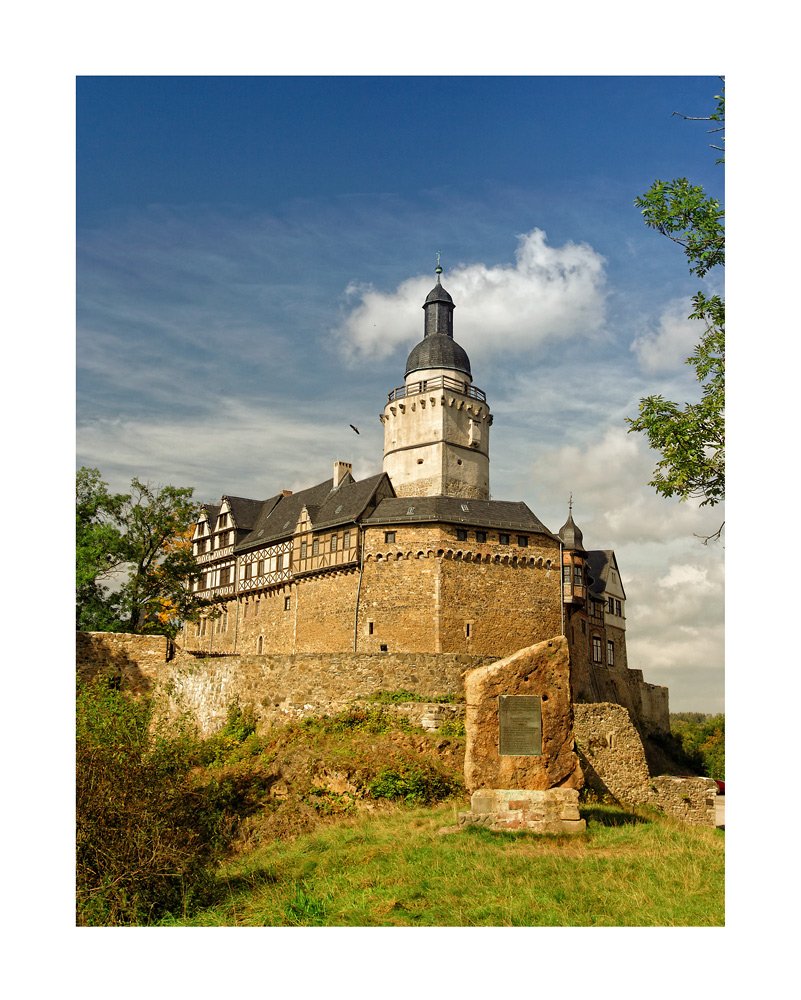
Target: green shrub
x,y
451,727
146,833
415,783
363,720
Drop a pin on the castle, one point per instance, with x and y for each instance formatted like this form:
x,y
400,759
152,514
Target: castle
x,y
417,559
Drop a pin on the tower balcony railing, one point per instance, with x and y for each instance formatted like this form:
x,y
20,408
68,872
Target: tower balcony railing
x,y
441,382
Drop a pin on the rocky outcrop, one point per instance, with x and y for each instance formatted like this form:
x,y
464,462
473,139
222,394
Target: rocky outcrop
x,y
542,671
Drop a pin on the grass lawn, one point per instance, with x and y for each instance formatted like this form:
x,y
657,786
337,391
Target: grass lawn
x,y
630,868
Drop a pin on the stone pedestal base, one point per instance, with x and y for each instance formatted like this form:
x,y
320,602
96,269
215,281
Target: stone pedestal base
x,y
554,810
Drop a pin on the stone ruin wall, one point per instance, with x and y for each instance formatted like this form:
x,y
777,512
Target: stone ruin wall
x,y
613,760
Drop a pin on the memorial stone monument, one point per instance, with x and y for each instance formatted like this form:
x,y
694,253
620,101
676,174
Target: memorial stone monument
x,y
521,765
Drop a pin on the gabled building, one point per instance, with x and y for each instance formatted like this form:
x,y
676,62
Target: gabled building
x,y
418,558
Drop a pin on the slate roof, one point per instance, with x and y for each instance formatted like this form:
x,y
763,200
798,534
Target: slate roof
x,y
599,562
212,510
244,511
353,499
513,515
438,294
438,350
326,506
572,535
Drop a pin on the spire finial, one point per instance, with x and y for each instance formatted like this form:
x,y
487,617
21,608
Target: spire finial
x,y
570,504
438,268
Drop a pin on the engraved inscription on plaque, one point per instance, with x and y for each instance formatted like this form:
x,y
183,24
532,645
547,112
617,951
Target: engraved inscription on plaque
x,y
520,726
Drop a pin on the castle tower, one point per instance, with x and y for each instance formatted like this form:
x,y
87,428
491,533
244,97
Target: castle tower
x,y
436,425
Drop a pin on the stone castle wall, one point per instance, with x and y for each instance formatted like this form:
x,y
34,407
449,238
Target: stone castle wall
x,y
425,592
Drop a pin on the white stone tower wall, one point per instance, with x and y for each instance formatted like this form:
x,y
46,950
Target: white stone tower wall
x,y
437,443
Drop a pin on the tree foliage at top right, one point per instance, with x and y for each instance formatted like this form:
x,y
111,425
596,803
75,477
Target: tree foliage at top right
x,y
691,437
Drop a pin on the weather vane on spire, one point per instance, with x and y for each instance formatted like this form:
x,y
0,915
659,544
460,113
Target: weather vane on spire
x,y
438,269
570,504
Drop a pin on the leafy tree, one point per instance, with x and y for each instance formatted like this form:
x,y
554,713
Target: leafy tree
x,y
98,550
703,739
691,437
146,536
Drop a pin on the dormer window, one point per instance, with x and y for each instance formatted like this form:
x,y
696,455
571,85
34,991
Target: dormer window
x,y
223,521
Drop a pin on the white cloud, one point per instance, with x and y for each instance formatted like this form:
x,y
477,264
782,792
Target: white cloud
x,y
268,449
549,293
667,347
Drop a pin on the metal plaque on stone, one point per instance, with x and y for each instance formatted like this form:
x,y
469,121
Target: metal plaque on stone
x,y
520,726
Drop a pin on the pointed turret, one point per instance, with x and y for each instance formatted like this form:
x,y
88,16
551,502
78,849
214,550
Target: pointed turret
x,y
570,533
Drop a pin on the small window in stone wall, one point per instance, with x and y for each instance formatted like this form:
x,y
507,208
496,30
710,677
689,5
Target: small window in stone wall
x,y
468,629
481,536
461,535
287,603
503,539
583,627
596,649
618,609
383,647
389,537
225,622
370,626
522,540
610,653
261,643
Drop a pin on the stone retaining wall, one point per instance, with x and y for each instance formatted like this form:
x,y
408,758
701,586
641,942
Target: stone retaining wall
x,y
139,660
283,687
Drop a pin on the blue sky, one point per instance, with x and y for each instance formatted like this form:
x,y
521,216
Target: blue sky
x,y
253,253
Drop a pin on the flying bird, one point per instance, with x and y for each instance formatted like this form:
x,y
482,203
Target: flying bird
x,y
354,428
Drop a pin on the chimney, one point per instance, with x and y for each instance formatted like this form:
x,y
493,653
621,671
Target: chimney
x,y
341,469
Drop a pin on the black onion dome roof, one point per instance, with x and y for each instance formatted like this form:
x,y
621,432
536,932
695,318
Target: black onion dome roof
x,y
571,534
438,294
438,350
